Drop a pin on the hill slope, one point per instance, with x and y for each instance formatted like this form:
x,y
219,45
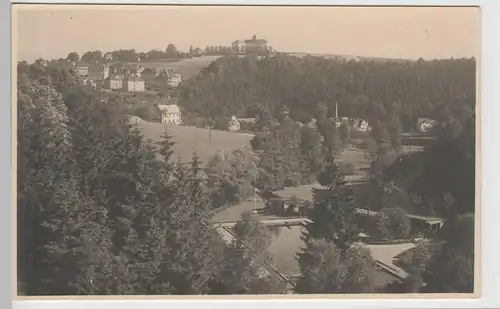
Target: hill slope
x,y
190,139
186,67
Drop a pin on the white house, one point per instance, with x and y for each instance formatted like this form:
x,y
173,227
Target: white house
x,y
425,124
234,124
171,76
134,84
361,125
248,120
239,46
174,79
170,114
340,120
114,82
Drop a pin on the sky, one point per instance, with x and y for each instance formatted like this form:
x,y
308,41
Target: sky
x,y
52,31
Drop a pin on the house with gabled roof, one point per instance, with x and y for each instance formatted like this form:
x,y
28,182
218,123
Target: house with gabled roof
x,y
134,83
170,114
114,82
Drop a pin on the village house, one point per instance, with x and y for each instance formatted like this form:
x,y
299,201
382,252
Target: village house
x,y
339,121
174,79
170,76
234,124
170,114
360,125
238,47
248,120
425,124
134,84
82,69
127,69
93,70
114,82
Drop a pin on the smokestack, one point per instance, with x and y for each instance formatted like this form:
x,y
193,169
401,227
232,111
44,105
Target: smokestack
x,y
336,110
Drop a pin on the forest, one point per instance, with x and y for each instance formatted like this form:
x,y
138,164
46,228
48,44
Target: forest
x,y
389,92
102,211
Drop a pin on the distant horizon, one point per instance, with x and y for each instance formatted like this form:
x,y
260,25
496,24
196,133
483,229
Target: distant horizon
x,y
314,54
409,33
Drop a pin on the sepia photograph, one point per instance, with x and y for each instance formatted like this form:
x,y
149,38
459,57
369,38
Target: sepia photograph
x,y
245,150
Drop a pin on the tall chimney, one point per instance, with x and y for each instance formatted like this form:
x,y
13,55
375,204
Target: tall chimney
x,y
336,110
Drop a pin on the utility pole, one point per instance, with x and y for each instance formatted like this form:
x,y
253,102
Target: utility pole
x,y
255,200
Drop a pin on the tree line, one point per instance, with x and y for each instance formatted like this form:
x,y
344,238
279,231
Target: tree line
x,y
171,52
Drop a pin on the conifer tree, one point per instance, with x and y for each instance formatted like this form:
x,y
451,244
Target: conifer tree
x,y
190,262
333,213
248,265
322,270
63,239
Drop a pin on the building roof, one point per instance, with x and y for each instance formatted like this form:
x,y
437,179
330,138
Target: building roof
x,y
134,78
257,41
169,109
431,220
304,192
250,120
385,255
116,77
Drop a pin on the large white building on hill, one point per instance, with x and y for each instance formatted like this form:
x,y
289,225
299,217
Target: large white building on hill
x,y
170,114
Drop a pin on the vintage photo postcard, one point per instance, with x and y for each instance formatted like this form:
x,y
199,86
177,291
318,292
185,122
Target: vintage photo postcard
x,y
224,151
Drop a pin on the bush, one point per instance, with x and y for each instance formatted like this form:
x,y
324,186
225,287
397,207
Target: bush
x,y
392,223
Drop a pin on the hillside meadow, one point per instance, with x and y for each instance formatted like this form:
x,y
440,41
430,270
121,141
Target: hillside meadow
x,y
191,140
186,67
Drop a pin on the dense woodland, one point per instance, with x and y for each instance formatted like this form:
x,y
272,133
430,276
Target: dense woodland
x,y
376,90
100,213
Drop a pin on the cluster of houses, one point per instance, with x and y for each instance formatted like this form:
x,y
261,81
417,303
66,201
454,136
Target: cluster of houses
x,y
356,124
129,78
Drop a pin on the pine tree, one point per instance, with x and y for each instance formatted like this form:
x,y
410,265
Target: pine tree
x,y
190,262
311,148
62,235
333,214
322,269
361,270
248,266
451,269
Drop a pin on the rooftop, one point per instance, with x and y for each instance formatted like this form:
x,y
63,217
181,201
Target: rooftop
x,y
169,109
258,41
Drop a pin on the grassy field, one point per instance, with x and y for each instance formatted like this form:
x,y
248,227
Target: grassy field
x,y
190,139
187,67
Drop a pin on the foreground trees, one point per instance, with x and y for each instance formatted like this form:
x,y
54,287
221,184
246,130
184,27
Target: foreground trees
x,y
327,269
332,262
248,267
98,213
451,269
